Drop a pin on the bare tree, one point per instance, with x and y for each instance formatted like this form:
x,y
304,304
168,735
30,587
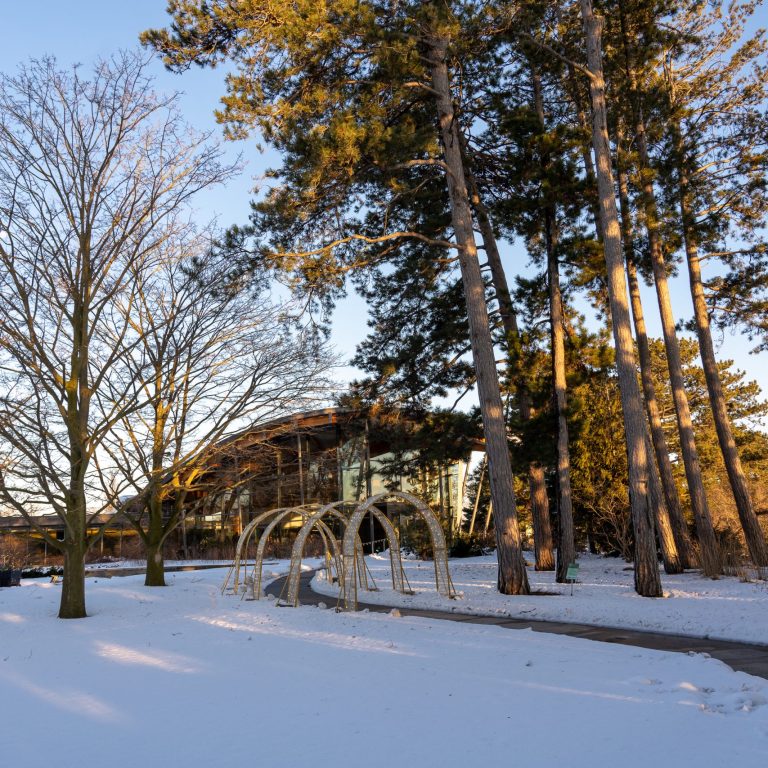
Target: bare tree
x,y
94,176
211,359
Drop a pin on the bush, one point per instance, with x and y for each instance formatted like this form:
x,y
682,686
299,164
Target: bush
x,y
472,546
13,552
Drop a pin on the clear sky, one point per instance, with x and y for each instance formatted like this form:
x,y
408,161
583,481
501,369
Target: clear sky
x,y
80,31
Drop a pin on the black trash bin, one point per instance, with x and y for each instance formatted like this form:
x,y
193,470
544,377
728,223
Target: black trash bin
x,y
10,577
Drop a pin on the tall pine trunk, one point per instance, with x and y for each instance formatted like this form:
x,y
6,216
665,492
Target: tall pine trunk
x,y
710,552
566,547
753,533
682,557
647,579
669,553
540,517
512,577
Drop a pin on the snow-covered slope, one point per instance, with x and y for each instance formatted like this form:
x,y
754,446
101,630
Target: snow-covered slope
x,y
182,676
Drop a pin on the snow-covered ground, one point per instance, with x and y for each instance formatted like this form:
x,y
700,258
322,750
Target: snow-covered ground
x,y
604,595
184,676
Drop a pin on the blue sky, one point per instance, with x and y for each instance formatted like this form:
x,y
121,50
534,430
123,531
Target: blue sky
x,y
80,31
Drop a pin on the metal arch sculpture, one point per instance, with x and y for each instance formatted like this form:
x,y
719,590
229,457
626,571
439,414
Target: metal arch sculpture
x,y
245,538
393,540
326,534
349,560
297,551
443,582
331,545
358,562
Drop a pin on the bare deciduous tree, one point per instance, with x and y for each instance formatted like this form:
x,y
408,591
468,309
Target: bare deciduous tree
x,y
211,359
94,176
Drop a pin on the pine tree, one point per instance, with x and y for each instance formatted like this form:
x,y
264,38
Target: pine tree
x,y
647,580
632,19
717,89
349,95
676,550
746,410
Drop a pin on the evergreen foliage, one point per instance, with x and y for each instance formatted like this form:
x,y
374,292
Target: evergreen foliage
x,y
367,193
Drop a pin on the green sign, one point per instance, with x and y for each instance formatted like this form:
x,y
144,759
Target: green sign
x,y
572,573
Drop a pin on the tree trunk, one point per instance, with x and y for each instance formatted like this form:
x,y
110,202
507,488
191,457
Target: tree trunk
x,y
679,557
153,542
669,554
683,557
72,605
566,547
542,526
753,533
512,578
478,492
542,523
155,576
647,580
710,554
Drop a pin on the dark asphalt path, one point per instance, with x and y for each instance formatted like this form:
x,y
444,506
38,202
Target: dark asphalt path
x,y
744,657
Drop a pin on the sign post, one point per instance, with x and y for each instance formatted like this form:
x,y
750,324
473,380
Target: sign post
x,y
572,574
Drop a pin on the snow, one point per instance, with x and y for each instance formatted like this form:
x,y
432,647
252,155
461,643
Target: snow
x,y
184,676
604,595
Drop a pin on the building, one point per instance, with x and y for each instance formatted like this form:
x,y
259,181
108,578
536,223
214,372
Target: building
x,y
312,457
317,456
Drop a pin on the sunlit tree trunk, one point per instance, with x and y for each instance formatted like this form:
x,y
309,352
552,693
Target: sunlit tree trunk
x,y
710,554
680,556
540,517
669,554
566,547
753,533
647,580
512,577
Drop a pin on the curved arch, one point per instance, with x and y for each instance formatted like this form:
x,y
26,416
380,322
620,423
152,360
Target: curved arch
x,y
439,550
395,560
245,538
297,552
294,576
329,542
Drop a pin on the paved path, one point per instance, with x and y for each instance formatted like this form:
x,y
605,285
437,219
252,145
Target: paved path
x,y
108,573
744,657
